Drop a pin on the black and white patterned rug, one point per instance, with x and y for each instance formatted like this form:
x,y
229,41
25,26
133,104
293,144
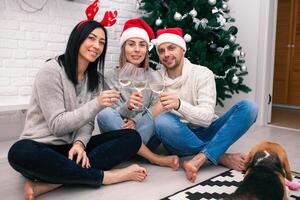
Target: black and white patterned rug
x,y
218,187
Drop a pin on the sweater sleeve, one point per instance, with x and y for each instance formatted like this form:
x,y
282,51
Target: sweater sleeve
x,y
203,112
49,89
84,133
124,110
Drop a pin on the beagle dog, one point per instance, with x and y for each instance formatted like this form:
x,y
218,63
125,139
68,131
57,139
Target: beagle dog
x,y
267,167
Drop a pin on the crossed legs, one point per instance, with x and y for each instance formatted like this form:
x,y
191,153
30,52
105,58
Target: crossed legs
x,y
109,119
207,143
50,165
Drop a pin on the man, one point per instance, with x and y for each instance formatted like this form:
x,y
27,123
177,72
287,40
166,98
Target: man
x,y
190,127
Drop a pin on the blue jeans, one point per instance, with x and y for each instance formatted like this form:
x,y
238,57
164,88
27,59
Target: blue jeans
x,y
214,140
50,163
109,119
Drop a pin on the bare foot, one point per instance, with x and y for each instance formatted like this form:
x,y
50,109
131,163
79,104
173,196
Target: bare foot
x,y
234,161
34,189
167,161
192,166
131,173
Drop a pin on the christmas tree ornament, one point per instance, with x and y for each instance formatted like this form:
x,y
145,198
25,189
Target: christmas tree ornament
x,y
230,19
204,22
221,20
235,79
177,16
242,54
236,53
224,6
187,37
212,2
193,13
158,22
213,47
232,39
138,4
227,11
216,10
243,68
233,30
184,16
222,49
150,46
197,23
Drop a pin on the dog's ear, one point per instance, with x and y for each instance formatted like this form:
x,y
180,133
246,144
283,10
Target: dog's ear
x,y
287,169
285,163
248,161
249,157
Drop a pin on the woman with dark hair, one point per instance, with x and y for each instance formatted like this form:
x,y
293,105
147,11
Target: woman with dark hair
x,y
56,146
135,41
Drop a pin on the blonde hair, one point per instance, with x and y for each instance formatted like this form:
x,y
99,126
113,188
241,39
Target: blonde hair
x,y
123,60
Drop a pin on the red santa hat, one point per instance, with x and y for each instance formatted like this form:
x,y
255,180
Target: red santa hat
x,y
136,28
172,35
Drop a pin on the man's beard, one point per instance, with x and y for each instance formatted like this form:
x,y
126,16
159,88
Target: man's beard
x,y
173,66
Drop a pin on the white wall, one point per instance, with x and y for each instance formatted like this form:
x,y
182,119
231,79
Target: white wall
x,y
246,14
28,39
255,21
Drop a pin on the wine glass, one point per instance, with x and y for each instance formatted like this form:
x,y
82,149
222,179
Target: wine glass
x,y
156,81
125,74
139,81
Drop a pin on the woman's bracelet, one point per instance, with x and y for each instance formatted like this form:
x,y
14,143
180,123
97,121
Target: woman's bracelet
x,y
179,104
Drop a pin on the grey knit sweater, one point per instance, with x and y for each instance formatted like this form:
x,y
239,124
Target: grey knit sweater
x,y
57,115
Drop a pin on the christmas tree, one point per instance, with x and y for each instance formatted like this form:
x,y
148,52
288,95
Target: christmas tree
x,y
210,38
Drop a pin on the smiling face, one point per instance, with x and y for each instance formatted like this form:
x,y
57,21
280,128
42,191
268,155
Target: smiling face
x,y
135,50
171,47
171,56
92,47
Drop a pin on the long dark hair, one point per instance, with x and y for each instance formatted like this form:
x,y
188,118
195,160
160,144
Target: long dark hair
x,y
69,60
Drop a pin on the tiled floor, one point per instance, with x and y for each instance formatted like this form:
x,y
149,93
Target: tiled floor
x,y
161,181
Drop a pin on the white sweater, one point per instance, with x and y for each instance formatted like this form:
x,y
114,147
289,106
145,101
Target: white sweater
x,y
196,90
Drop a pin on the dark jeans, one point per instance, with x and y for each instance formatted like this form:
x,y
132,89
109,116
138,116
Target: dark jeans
x,y
50,163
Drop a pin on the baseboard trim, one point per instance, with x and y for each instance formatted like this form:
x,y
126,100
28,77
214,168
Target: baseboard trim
x,y
286,106
285,128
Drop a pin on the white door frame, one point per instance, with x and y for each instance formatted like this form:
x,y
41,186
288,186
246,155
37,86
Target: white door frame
x,y
266,59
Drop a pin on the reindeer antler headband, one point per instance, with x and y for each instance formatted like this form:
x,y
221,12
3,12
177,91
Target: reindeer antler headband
x,y
109,18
